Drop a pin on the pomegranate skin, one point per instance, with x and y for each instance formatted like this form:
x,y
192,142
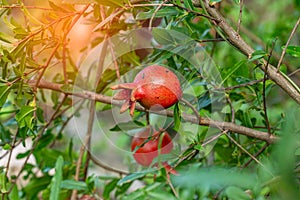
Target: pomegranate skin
x,y
155,87
149,147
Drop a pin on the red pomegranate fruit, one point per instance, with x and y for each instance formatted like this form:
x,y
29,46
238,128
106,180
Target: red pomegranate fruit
x,y
154,87
147,146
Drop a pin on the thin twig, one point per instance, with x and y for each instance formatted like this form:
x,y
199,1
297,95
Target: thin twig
x,y
68,118
47,64
10,152
204,143
87,141
294,72
24,6
84,146
114,58
240,16
197,13
43,28
210,40
154,13
231,108
255,155
249,154
106,167
64,44
64,62
287,44
37,139
150,4
186,117
195,111
264,90
234,39
213,138
241,85
172,188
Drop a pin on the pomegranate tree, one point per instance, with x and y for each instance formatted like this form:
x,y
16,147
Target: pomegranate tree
x,y
154,87
147,146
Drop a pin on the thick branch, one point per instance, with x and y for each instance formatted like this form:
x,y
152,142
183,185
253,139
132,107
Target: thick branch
x,y
235,39
186,117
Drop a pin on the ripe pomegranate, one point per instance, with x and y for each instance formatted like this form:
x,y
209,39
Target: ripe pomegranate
x,y
154,87
146,147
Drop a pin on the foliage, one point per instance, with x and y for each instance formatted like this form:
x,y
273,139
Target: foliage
x,y
58,60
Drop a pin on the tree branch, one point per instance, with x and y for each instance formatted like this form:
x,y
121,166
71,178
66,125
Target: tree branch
x,y
235,39
186,117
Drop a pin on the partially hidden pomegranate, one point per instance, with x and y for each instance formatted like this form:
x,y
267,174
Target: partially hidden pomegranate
x,y
147,146
154,87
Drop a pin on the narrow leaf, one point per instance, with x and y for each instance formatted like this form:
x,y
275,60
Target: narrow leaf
x,y
161,13
4,91
133,176
162,36
25,116
232,70
106,20
293,51
177,117
257,55
57,178
109,188
73,185
189,4
235,193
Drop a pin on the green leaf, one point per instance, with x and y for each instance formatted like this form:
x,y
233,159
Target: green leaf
x,y
14,194
4,91
110,75
214,177
40,114
78,1
293,51
177,117
122,189
297,152
73,185
57,178
7,147
257,55
25,116
107,20
36,185
134,176
189,4
232,70
113,3
198,147
167,11
235,193
162,36
3,183
109,188
160,195
6,38
23,155
204,100
57,7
